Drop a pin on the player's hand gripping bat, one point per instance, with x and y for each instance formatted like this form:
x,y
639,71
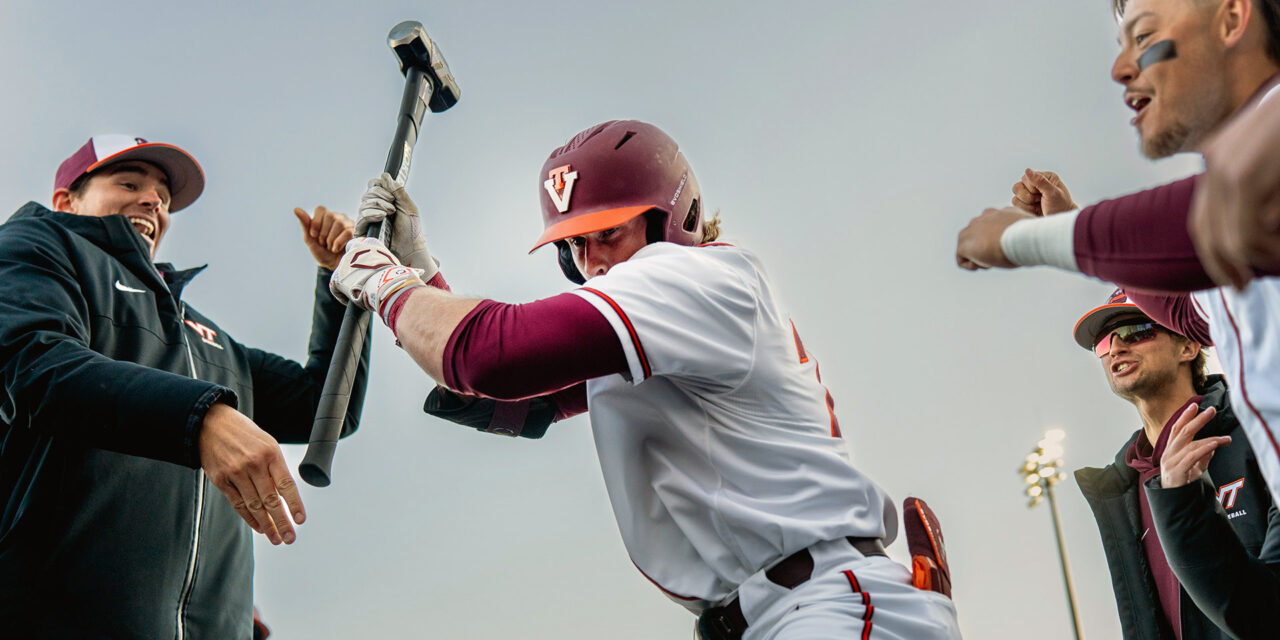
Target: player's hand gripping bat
x,y
427,84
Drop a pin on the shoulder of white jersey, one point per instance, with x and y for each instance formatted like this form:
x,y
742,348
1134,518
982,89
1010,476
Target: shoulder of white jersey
x,y
666,285
705,260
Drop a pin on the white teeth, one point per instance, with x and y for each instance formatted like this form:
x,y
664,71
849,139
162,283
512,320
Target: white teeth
x,y
144,226
1122,367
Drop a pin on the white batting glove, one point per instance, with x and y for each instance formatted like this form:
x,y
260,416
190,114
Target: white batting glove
x,y
386,197
368,275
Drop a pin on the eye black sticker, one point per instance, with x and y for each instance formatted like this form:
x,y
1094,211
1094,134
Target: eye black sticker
x,y
1158,52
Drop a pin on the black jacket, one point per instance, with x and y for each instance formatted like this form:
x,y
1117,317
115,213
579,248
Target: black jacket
x,y
109,527
1222,553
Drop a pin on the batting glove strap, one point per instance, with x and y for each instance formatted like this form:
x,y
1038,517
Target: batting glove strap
x,y
368,274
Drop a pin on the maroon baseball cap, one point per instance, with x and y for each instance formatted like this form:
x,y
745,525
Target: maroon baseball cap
x,y
186,178
1091,324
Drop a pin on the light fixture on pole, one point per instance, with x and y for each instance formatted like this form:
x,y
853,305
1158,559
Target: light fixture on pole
x,y
1041,470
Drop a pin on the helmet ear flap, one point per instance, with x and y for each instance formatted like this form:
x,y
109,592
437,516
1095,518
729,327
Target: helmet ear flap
x,y
565,256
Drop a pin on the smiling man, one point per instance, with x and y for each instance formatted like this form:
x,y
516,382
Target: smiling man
x,y
1181,565
1186,66
123,409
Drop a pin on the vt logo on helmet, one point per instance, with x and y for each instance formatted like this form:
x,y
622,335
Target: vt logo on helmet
x,y
610,173
559,186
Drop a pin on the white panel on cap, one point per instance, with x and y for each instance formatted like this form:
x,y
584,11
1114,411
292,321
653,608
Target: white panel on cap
x,y
112,143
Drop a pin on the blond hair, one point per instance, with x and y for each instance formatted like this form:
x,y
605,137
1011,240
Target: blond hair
x,y
711,228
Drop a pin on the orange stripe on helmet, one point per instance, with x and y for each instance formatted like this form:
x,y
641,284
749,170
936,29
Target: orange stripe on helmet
x,y
588,223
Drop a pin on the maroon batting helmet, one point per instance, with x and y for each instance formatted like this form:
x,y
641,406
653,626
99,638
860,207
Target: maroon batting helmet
x,y
611,173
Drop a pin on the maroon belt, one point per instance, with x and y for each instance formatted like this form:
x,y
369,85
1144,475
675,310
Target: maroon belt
x,y
728,623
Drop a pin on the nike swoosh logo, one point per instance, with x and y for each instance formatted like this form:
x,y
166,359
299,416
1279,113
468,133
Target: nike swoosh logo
x,y
127,289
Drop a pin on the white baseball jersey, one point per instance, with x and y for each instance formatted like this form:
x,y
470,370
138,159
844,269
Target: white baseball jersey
x,y
720,451
1245,327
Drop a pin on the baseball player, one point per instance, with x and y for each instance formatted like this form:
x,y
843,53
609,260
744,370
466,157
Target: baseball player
x,y
1186,67
720,449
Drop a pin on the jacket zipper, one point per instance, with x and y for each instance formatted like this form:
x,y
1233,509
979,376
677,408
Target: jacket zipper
x,y
189,582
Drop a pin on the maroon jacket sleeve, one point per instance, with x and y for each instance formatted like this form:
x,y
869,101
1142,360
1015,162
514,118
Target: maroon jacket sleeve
x,y
1176,312
516,351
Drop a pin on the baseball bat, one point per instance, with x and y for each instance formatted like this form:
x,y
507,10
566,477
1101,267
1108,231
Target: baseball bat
x,y
428,84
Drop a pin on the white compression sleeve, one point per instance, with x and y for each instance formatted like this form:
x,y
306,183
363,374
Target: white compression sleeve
x,y
1049,241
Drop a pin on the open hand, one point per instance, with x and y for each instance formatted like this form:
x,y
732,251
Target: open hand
x,y
1185,458
245,464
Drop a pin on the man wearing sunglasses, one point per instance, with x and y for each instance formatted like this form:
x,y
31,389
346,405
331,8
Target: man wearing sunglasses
x,y
1185,517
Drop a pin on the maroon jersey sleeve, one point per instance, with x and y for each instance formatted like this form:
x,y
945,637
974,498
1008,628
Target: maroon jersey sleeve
x,y
516,351
1140,241
1176,312
570,401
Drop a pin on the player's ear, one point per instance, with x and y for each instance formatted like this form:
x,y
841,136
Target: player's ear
x,y
62,200
1189,350
1232,20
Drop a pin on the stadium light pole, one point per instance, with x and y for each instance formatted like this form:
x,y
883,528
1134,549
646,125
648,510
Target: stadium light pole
x,y
1041,470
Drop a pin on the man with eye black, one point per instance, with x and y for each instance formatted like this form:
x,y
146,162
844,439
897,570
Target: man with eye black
x,y
1187,67
1186,521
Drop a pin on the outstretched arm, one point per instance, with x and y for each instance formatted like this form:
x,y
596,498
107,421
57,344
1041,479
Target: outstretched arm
x,y
481,347
1138,241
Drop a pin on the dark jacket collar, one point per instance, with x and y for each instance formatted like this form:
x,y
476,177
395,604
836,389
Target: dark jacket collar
x,y
115,236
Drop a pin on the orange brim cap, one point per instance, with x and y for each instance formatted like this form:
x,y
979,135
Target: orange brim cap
x,y
1090,324
588,223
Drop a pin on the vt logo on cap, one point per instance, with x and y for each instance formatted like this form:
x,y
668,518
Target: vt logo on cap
x,y
559,186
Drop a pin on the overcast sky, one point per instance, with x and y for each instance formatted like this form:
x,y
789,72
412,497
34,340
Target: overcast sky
x,y
844,142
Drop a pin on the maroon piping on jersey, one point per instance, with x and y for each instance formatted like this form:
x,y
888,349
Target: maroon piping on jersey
x,y
517,351
866,602
635,337
1244,393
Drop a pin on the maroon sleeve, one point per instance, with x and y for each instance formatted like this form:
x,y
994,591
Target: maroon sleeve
x,y
571,401
1177,312
1140,241
514,351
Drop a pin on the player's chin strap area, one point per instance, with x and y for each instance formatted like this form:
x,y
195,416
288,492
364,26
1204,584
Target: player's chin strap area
x,y
565,256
